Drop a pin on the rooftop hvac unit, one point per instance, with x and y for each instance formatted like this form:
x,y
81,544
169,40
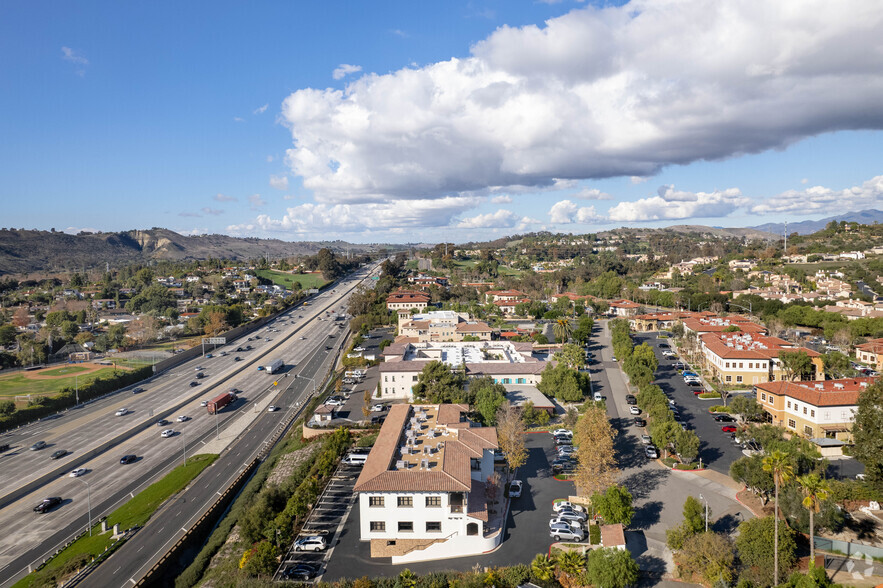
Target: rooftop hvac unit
x,y
401,464
838,386
424,464
820,386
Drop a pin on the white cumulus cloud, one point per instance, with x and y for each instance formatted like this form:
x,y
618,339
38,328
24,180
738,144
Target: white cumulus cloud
x,y
820,199
671,204
595,93
501,199
499,219
591,194
566,212
279,182
345,69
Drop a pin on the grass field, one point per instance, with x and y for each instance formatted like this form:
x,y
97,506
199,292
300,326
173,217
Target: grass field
x,y
286,280
64,371
133,513
502,270
15,384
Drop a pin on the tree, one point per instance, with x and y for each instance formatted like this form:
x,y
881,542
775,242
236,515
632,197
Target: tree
x,y
762,545
815,491
543,567
693,523
664,432
563,383
7,335
438,384
615,505
571,565
709,555
488,397
868,434
571,416
687,445
611,568
837,365
779,465
562,330
747,407
796,364
7,407
572,356
510,435
597,461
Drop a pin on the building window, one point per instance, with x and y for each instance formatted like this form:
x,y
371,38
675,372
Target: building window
x,y
433,501
804,410
406,501
738,378
812,413
386,378
789,404
433,526
792,424
413,378
378,526
728,364
376,501
762,396
406,526
475,464
729,378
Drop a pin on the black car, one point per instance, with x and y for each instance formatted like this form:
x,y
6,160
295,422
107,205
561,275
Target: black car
x,y
639,422
58,454
694,384
128,458
48,504
239,349
162,423
192,384
724,418
302,571
237,358
630,399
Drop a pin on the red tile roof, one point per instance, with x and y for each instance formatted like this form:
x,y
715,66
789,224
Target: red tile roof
x,y
726,345
844,392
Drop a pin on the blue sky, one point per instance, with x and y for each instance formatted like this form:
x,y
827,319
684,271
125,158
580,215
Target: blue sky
x,y
417,121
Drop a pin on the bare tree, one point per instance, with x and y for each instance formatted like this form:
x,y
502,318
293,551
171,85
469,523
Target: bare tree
x,y
510,436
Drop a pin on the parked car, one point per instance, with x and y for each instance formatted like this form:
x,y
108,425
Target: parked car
x,y
58,454
302,571
559,521
565,432
651,452
561,532
630,399
498,456
564,504
729,428
572,515
563,465
335,401
634,410
515,487
128,459
639,422
47,504
311,543
646,440
379,407
563,441
566,451
724,418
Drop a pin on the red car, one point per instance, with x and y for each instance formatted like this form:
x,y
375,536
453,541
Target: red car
x,y
698,391
728,429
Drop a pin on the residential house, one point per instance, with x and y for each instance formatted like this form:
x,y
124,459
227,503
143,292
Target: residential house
x,y
871,353
624,308
406,300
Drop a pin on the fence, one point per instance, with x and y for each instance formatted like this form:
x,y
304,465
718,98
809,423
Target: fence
x,y
854,550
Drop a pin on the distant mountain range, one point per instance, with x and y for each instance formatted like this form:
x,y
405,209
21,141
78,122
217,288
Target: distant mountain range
x,y
23,251
865,217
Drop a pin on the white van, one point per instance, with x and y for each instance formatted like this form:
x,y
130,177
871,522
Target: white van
x,y
356,459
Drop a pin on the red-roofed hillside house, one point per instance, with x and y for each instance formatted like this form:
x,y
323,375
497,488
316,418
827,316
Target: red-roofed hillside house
x,y
406,300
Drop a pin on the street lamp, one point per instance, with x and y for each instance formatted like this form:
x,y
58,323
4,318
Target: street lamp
x,y
702,498
89,502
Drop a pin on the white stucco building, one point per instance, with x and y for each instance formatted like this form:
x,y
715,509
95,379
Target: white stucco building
x,y
422,492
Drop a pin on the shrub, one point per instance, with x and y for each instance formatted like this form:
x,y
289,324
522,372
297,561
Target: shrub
x,y
720,408
705,395
595,534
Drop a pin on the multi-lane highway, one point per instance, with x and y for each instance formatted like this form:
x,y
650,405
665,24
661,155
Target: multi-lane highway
x,y
299,337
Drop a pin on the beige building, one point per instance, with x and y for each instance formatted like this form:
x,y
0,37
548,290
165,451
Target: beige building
x,y
746,359
815,410
406,300
441,325
871,353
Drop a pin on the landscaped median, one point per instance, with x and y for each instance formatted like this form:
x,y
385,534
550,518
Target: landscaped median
x,y
134,513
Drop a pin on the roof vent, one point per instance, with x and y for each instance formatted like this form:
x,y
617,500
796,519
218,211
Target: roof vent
x,y
820,386
838,386
424,464
401,464
863,384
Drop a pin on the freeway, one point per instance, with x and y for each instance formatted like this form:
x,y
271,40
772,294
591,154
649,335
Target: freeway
x,y
295,336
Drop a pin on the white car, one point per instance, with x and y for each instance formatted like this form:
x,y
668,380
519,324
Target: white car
x,y
566,450
564,504
302,338
515,489
313,543
565,432
378,408
272,408
646,440
198,368
360,348
559,521
77,472
634,410
183,418
122,411
334,402
203,403
167,433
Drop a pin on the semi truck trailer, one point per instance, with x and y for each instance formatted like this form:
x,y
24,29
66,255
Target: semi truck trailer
x,y
215,405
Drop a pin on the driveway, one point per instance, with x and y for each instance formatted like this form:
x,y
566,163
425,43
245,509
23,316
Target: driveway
x,y
526,526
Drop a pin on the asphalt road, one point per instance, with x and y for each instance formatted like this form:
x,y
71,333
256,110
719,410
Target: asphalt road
x,y
110,483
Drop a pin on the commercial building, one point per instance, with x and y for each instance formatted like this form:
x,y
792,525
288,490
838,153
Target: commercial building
x,y
816,410
743,358
441,325
506,362
871,353
624,308
406,300
422,491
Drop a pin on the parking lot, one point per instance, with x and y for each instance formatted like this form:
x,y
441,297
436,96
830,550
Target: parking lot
x,y
526,526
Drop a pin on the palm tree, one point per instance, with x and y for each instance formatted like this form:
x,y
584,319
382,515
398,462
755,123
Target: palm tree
x,y
543,567
571,564
562,330
815,491
779,465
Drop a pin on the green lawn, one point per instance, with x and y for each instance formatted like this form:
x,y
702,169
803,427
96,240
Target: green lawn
x,y
503,270
64,371
15,384
286,280
134,513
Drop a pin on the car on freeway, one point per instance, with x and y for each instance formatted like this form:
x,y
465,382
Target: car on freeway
x,y
310,543
163,422
37,446
565,432
167,433
565,504
630,399
379,407
209,356
122,412
634,410
77,472
183,418
639,422
304,571
47,504
272,408
58,454
515,487
239,350
302,337
129,458
194,384
651,452
646,440
199,368
566,533
137,390
724,418
729,428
